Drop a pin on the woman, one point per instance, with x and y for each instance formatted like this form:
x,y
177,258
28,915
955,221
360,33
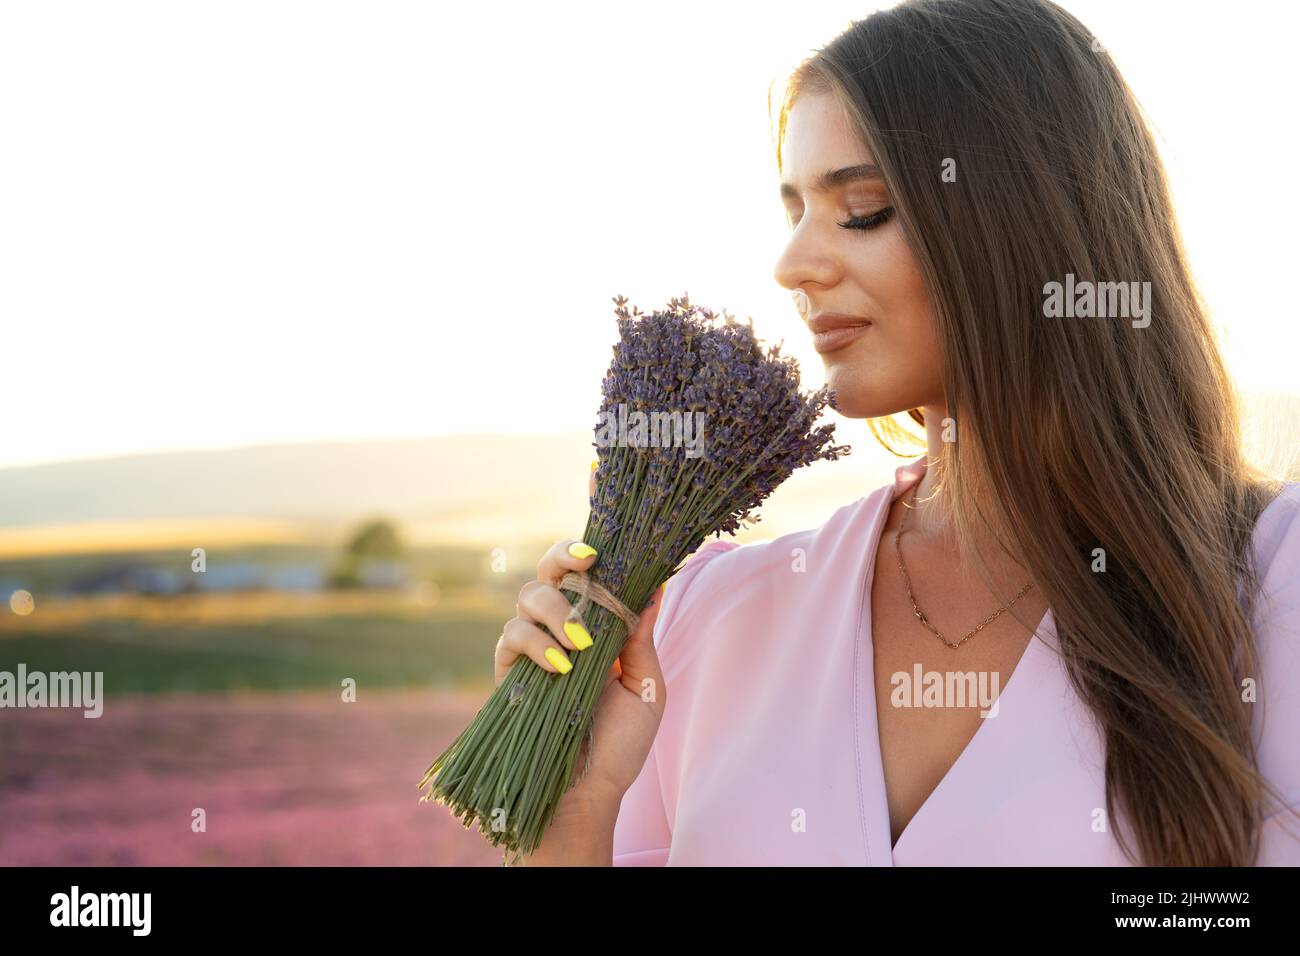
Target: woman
x,y
982,236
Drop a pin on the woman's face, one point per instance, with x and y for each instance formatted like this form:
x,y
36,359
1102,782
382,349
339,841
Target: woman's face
x,y
866,272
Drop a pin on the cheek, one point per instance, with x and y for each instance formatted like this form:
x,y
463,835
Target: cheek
x,y
898,365
900,292
887,272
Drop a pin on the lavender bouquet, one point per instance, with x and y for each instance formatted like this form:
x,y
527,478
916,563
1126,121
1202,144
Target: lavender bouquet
x,y
737,427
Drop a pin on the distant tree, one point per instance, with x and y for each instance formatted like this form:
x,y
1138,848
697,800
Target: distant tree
x,y
376,539
343,574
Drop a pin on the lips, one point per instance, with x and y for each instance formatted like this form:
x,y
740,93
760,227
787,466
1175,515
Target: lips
x,y
834,330
826,321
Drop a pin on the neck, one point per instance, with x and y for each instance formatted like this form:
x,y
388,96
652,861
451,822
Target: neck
x,y
934,515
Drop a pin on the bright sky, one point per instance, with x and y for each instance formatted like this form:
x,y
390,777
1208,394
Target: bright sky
x,y
249,222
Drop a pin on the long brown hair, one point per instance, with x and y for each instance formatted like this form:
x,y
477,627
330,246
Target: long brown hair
x,y
1077,434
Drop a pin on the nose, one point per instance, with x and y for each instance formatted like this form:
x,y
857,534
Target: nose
x,y
806,261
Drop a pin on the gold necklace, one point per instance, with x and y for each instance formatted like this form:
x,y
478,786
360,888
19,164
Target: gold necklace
x,y
907,583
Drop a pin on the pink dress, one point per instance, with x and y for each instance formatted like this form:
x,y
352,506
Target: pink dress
x,y
769,753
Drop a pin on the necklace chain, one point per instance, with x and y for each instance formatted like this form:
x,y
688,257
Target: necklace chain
x,y
920,615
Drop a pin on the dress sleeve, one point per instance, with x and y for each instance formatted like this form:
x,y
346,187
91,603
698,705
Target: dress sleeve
x,y
642,834
1278,631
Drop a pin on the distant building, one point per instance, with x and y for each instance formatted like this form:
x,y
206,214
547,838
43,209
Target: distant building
x,y
236,576
295,577
383,573
126,576
156,581
135,577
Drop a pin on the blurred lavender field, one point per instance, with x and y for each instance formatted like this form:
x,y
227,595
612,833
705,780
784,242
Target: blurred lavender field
x,y
285,779
222,686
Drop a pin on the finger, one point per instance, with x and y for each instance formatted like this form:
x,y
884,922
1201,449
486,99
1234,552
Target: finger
x,y
591,481
520,637
638,660
564,556
503,658
542,604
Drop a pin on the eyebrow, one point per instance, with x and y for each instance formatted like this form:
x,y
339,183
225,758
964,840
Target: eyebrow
x,y
836,177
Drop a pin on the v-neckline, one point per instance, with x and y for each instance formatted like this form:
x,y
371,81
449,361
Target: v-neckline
x,y
905,477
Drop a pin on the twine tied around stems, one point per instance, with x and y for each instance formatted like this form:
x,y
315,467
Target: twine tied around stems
x,y
589,591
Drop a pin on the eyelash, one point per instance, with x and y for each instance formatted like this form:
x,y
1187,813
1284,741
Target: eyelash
x,y
874,221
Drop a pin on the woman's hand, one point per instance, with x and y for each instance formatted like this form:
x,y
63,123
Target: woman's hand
x,y
630,708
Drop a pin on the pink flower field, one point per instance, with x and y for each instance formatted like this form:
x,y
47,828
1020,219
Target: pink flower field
x,y
284,779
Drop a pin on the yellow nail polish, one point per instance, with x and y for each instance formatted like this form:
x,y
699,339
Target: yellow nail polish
x,y
580,550
578,634
594,464
559,660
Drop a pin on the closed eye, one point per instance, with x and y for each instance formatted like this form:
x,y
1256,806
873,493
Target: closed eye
x,y
868,222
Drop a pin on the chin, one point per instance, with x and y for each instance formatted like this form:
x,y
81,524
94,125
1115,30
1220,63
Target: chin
x,y
854,397
857,396
861,403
